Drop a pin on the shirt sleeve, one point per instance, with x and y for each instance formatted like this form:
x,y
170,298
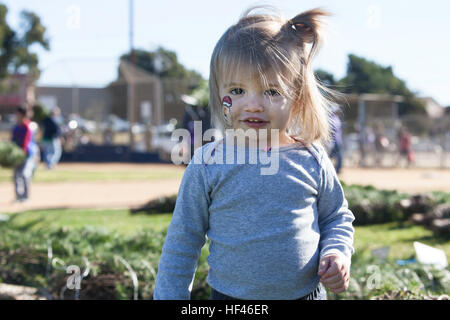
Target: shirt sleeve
x,y
185,237
27,138
335,218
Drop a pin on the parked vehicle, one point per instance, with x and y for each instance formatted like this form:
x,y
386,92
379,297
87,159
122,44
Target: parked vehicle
x,y
162,141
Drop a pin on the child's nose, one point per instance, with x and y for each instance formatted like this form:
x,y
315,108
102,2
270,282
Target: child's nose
x,y
254,104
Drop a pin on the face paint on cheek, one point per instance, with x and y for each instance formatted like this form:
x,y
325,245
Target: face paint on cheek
x,y
226,104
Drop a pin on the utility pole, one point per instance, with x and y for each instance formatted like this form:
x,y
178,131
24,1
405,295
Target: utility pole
x,y
131,36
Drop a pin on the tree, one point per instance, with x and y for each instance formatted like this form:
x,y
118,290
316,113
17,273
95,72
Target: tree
x,y
325,77
15,54
364,76
176,80
201,93
163,63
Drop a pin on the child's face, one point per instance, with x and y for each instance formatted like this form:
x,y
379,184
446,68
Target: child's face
x,y
249,99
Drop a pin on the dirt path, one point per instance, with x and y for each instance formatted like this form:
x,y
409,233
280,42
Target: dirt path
x,y
88,195
126,194
405,180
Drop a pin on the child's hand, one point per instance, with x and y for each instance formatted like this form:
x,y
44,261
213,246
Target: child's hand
x,y
334,273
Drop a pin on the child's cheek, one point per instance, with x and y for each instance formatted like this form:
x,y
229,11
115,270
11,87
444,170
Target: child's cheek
x,y
226,104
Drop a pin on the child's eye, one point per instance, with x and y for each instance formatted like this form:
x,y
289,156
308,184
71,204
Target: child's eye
x,y
237,91
273,92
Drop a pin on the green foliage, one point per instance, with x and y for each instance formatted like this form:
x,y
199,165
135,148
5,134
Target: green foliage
x,y
34,30
368,204
364,76
440,197
163,63
11,155
159,205
201,93
371,206
24,260
372,279
39,113
15,54
325,77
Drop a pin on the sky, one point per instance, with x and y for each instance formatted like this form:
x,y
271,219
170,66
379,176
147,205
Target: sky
x,y
87,37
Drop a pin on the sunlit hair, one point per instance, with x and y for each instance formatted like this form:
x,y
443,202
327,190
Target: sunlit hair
x,y
262,45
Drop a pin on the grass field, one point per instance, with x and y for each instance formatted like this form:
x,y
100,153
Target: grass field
x,y
399,237
118,221
86,175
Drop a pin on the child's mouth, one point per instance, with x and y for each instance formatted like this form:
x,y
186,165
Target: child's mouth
x,y
255,123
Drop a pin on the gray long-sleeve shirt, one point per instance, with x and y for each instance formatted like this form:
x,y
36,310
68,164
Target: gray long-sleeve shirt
x,y
267,232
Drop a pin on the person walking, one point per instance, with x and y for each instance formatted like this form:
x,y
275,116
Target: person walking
x,y
22,136
51,140
336,143
405,147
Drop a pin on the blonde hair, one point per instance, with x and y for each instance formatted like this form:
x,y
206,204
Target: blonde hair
x,y
264,44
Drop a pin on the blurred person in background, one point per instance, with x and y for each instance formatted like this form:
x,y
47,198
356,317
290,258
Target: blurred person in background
x,y
381,143
336,143
52,139
51,135
405,147
22,135
194,111
362,139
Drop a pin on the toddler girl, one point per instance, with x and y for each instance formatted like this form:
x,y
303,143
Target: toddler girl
x,y
282,235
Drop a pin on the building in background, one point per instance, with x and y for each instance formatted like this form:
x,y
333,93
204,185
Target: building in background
x,y
153,99
433,108
16,90
89,103
137,99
